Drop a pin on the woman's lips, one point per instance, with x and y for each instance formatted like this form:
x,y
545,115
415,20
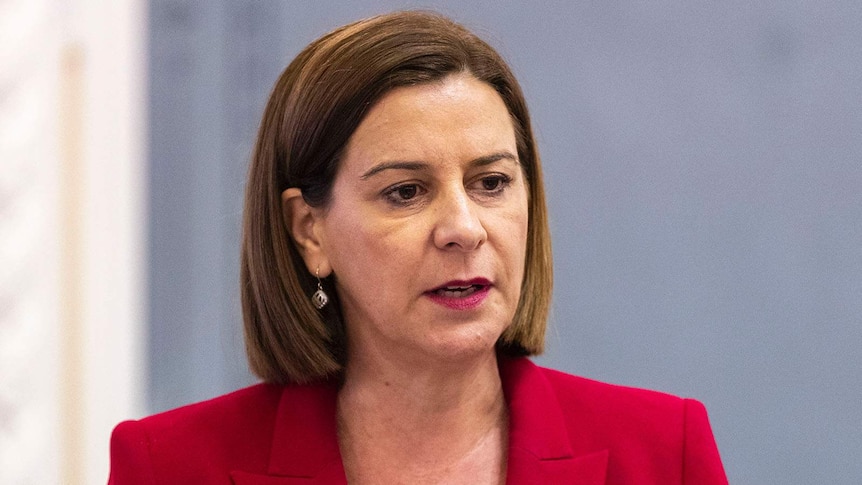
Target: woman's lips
x,y
461,295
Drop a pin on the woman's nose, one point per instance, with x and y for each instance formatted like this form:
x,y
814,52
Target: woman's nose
x,y
457,225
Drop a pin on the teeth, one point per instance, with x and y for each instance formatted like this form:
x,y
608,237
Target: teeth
x,y
456,291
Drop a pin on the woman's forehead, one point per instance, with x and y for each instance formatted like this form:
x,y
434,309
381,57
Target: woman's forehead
x,y
460,118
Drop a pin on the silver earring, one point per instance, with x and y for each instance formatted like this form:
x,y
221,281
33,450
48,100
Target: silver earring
x,y
319,298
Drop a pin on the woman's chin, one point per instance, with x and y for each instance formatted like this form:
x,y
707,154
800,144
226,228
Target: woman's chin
x,y
463,346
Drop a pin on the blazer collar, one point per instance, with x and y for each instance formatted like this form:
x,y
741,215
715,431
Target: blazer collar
x,y
540,448
305,441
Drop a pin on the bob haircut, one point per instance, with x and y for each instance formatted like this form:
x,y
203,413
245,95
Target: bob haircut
x,y
315,106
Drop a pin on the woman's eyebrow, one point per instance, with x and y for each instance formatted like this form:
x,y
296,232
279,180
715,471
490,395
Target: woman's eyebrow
x,y
494,157
393,166
402,165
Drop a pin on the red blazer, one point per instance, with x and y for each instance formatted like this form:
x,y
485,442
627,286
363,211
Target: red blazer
x,y
563,430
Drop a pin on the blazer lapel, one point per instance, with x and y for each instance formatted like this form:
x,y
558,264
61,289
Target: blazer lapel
x,y
305,440
540,449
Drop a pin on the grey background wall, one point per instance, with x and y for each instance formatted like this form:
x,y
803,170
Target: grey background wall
x,y
704,172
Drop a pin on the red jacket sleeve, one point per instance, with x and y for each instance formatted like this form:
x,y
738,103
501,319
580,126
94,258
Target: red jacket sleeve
x,y
130,456
701,461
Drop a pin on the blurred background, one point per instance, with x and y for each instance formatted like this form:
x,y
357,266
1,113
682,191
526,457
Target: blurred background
x,y
703,165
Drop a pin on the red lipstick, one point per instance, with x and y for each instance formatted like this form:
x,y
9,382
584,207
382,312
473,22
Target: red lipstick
x,y
460,294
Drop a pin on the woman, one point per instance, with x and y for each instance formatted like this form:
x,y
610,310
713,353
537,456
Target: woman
x,y
396,270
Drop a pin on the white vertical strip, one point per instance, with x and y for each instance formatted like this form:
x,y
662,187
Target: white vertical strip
x,y
72,234
29,249
114,221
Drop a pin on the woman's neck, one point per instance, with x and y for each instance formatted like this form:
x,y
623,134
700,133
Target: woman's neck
x,y
445,423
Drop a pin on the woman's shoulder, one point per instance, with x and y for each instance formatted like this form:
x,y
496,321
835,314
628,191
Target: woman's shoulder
x,y
573,390
651,436
591,392
586,403
229,430
654,412
233,407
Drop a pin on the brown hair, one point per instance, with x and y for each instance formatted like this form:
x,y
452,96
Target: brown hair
x,y
315,106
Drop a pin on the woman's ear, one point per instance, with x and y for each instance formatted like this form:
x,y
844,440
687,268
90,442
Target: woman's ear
x,y
303,223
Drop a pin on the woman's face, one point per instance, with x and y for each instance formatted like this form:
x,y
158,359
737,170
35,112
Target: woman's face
x,y
427,227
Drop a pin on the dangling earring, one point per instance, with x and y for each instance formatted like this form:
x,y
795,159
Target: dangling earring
x,y
319,298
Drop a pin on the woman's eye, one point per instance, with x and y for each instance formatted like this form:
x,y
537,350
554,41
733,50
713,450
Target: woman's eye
x,y
406,192
494,183
403,194
491,183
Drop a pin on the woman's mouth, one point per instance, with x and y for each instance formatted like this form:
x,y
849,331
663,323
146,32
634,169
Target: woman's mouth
x,y
461,295
458,291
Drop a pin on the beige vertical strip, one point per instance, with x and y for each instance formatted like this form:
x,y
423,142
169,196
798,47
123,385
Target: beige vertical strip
x,y
71,206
